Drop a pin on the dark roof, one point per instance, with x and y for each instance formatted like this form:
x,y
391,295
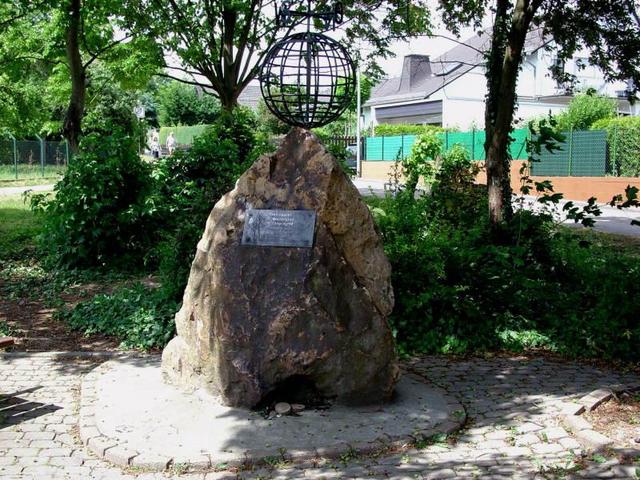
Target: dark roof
x,y
444,69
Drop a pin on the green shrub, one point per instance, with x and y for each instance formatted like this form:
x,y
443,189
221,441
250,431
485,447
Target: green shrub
x,y
140,316
97,215
180,104
188,185
541,287
623,136
584,110
422,161
405,129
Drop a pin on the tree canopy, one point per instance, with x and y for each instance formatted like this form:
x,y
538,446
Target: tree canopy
x,y
608,30
221,44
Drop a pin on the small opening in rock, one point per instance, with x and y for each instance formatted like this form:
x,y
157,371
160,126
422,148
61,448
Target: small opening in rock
x,y
295,389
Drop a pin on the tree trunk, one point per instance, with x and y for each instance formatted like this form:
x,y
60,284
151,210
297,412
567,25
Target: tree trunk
x,y
503,67
72,127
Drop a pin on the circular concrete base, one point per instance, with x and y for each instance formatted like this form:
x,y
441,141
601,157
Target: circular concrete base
x,y
129,416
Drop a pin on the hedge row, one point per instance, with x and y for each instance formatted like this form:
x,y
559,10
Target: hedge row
x,y
623,136
389,130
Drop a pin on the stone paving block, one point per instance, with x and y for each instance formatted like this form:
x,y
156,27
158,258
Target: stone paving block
x,y
546,448
576,423
154,462
511,452
593,440
529,427
23,452
499,435
554,433
10,435
467,378
31,461
7,460
7,470
569,443
39,435
595,398
439,474
571,408
100,444
119,455
66,461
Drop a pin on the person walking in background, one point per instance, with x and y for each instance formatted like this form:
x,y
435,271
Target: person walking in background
x,y
155,145
171,143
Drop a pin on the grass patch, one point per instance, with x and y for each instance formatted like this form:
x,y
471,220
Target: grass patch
x,y
29,172
29,182
18,228
623,244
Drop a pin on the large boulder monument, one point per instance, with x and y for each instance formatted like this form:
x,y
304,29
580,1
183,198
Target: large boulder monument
x,y
289,291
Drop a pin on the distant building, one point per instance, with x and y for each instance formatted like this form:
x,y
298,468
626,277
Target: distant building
x,y
250,97
450,90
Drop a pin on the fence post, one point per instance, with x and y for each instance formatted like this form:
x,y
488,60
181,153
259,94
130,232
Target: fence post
x,y
402,145
473,143
382,149
42,148
615,165
15,154
570,150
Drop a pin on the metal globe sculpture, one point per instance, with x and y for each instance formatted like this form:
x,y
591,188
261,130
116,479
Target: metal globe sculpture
x,y
307,79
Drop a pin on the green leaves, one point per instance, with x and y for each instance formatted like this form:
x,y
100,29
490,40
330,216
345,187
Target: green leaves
x,y
141,316
97,214
457,290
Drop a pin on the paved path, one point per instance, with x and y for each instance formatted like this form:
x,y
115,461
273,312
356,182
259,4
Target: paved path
x,y
11,191
513,405
612,220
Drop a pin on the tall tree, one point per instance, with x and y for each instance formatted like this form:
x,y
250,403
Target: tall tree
x,y
73,35
221,44
607,29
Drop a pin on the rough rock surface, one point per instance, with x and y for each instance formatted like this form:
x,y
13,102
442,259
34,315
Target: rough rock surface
x,y
255,319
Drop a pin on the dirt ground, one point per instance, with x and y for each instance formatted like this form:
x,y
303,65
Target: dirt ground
x,y
32,325
619,419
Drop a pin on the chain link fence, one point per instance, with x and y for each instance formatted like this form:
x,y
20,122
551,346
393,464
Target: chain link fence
x,y
32,159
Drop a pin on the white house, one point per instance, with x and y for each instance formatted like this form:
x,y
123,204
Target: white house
x,y
450,90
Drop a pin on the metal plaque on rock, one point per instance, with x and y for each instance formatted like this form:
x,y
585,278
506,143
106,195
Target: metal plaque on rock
x,y
279,228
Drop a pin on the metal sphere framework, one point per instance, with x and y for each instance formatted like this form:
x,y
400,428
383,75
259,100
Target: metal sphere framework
x,y
307,79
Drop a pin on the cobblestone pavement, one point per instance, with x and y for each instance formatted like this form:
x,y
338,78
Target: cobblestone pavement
x,y
513,429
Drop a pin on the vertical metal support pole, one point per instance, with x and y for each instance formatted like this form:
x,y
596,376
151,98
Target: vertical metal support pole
x,y
570,149
42,149
358,131
15,154
473,143
615,167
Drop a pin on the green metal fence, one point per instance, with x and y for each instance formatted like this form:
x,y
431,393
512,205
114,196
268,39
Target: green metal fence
x,y
32,159
583,154
398,147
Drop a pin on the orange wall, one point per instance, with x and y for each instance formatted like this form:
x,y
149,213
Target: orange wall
x,y
573,188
